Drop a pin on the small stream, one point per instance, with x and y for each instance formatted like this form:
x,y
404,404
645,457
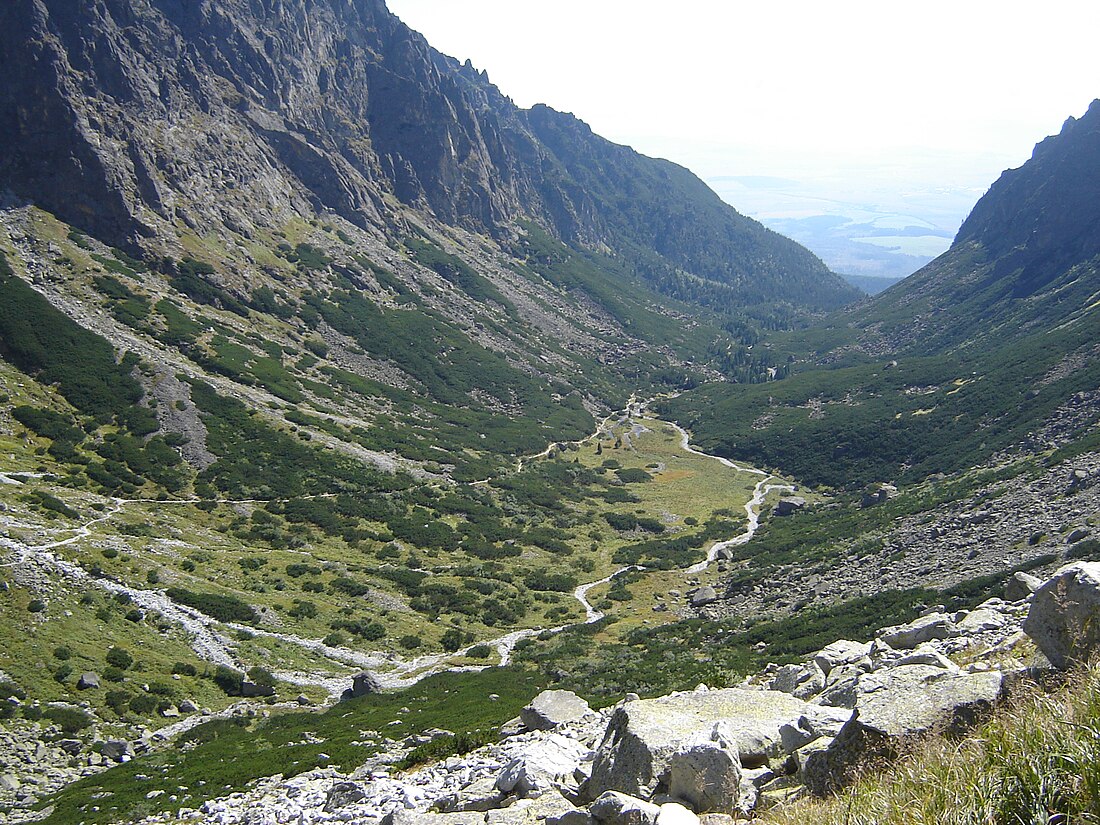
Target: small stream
x,y
391,670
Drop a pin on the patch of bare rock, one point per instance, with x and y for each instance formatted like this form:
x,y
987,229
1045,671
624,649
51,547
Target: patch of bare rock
x,y
712,756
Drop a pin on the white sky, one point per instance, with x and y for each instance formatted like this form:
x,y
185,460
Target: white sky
x,y
934,91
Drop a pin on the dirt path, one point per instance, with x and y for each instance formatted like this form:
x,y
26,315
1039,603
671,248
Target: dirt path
x,y
392,671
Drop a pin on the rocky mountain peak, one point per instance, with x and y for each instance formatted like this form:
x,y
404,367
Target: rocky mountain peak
x,y
136,123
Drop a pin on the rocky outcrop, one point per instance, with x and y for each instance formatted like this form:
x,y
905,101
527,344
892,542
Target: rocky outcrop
x,y
703,756
789,505
643,736
362,684
552,708
1064,619
906,706
235,118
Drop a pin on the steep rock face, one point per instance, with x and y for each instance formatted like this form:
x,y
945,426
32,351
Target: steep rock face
x,y
1027,257
1043,217
134,121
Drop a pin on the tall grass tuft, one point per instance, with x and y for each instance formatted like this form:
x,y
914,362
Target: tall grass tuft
x,y
1037,762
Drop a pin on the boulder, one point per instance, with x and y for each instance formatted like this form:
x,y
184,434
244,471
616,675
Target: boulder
x,y
1021,585
789,506
546,763
577,816
552,708
342,794
886,719
254,690
401,816
480,795
71,746
820,722
841,652
10,783
1077,534
642,736
362,684
614,808
924,629
117,750
703,596
673,813
188,706
1064,618
842,686
925,654
877,494
979,621
533,811
88,681
706,772
801,681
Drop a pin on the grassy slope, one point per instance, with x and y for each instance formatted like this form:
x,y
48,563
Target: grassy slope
x,y
1037,760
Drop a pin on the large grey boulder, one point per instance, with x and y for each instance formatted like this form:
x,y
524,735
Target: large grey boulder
x,y
362,684
840,652
548,763
706,772
88,681
1064,618
342,794
673,813
980,620
886,719
642,736
401,816
801,681
480,795
1021,585
552,708
789,506
615,808
704,596
924,629
117,750
533,811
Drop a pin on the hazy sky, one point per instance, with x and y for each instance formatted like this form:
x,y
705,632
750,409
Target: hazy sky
x,y
784,87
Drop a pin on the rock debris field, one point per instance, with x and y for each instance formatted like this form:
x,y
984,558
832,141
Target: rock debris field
x,y
711,755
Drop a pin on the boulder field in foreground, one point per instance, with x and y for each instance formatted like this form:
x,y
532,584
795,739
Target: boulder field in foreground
x,y
706,756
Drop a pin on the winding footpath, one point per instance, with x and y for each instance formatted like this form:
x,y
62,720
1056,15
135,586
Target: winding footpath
x,y
391,670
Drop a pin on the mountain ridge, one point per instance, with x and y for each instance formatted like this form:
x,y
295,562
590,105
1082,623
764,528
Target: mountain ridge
x,y
288,110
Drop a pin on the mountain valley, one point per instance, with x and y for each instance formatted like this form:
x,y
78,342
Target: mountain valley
x,y
342,401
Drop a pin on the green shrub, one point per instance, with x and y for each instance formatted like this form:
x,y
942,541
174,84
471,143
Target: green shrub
x,y
480,652
228,679
217,606
114,674
36,606
71,720
143,704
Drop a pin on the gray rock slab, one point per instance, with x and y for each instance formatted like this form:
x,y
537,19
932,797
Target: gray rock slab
x,y
552,708
706,772
1064,618
615,808
642,736
885,719
840,652
1021,585
924,629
